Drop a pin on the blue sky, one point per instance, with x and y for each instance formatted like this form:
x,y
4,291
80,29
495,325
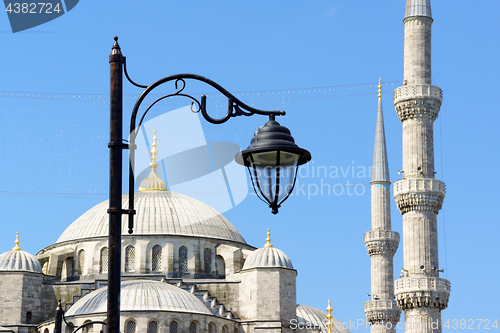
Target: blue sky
x,y
318,60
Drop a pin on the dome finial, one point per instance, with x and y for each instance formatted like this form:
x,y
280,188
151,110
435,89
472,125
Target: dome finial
x,y
153,182
268,239
17,247
380,88
329,317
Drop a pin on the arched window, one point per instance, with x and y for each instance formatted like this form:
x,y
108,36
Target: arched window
x,y
207,258
130,326
183,259
129,258
236,330
193,328
156,258
103,262
220,264
224,329
81,262
211,328
45,268
46,330
174,327
64,270
153,326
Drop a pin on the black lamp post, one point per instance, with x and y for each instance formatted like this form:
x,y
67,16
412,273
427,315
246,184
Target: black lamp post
x,y
272,159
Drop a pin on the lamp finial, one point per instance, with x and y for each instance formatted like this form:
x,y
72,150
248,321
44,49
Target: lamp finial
x,y
17,247
268,239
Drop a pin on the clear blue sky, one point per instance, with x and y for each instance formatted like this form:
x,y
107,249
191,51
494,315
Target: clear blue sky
x,y
53,150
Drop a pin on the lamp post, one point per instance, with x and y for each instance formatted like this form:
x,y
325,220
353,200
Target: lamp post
x,y
272,159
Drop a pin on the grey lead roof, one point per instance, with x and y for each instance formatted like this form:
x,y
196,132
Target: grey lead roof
x,y
380,170
418,8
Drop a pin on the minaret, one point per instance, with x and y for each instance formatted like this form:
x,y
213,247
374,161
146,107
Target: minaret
x,y
381,312
421,293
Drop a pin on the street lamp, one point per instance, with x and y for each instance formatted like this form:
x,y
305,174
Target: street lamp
x,y
272,159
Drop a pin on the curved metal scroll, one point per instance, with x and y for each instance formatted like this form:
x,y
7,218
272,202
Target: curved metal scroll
x,y
235,108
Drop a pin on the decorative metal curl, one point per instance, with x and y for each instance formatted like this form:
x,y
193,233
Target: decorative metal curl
x,y
235,108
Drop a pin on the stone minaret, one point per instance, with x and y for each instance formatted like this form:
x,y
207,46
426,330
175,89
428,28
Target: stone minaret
x,y
419,292
381,312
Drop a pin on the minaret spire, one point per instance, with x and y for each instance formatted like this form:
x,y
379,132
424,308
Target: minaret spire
x,y
381,242
380,172
420,292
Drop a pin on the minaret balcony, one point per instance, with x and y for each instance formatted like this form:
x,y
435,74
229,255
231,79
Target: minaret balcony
x,y
379,242
415,292
378,311
381,234
418,100
419,194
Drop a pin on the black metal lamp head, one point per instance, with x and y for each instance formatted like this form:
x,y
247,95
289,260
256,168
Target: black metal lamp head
x,y
272,160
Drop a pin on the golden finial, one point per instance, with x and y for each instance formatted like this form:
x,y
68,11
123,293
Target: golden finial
x,y
17,247
153,182
329,317
379,88
268,239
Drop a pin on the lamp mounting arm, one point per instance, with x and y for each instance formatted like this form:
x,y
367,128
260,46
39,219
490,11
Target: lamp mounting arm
x,y
235,106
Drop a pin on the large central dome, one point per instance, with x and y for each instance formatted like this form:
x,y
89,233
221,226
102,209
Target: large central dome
x,y
158,213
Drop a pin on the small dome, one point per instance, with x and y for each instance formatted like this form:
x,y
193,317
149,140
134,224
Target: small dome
x,y
307,316
141,295
268,257
17,260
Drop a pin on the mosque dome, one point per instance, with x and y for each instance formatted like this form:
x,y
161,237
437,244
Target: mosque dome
x,y
141,295
18,260
157,213
307,316
268,256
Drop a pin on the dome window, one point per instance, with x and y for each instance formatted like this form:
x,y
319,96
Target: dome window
x,y
193,328
207,258
130,326
153,326
183,259
103,262
130,259
81,262
174,327
156,258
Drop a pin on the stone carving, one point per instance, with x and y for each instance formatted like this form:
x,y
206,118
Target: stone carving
x,y
382,246
418,292
382,311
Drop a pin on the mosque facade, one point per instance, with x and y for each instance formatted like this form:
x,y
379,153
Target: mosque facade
x,y
187,269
